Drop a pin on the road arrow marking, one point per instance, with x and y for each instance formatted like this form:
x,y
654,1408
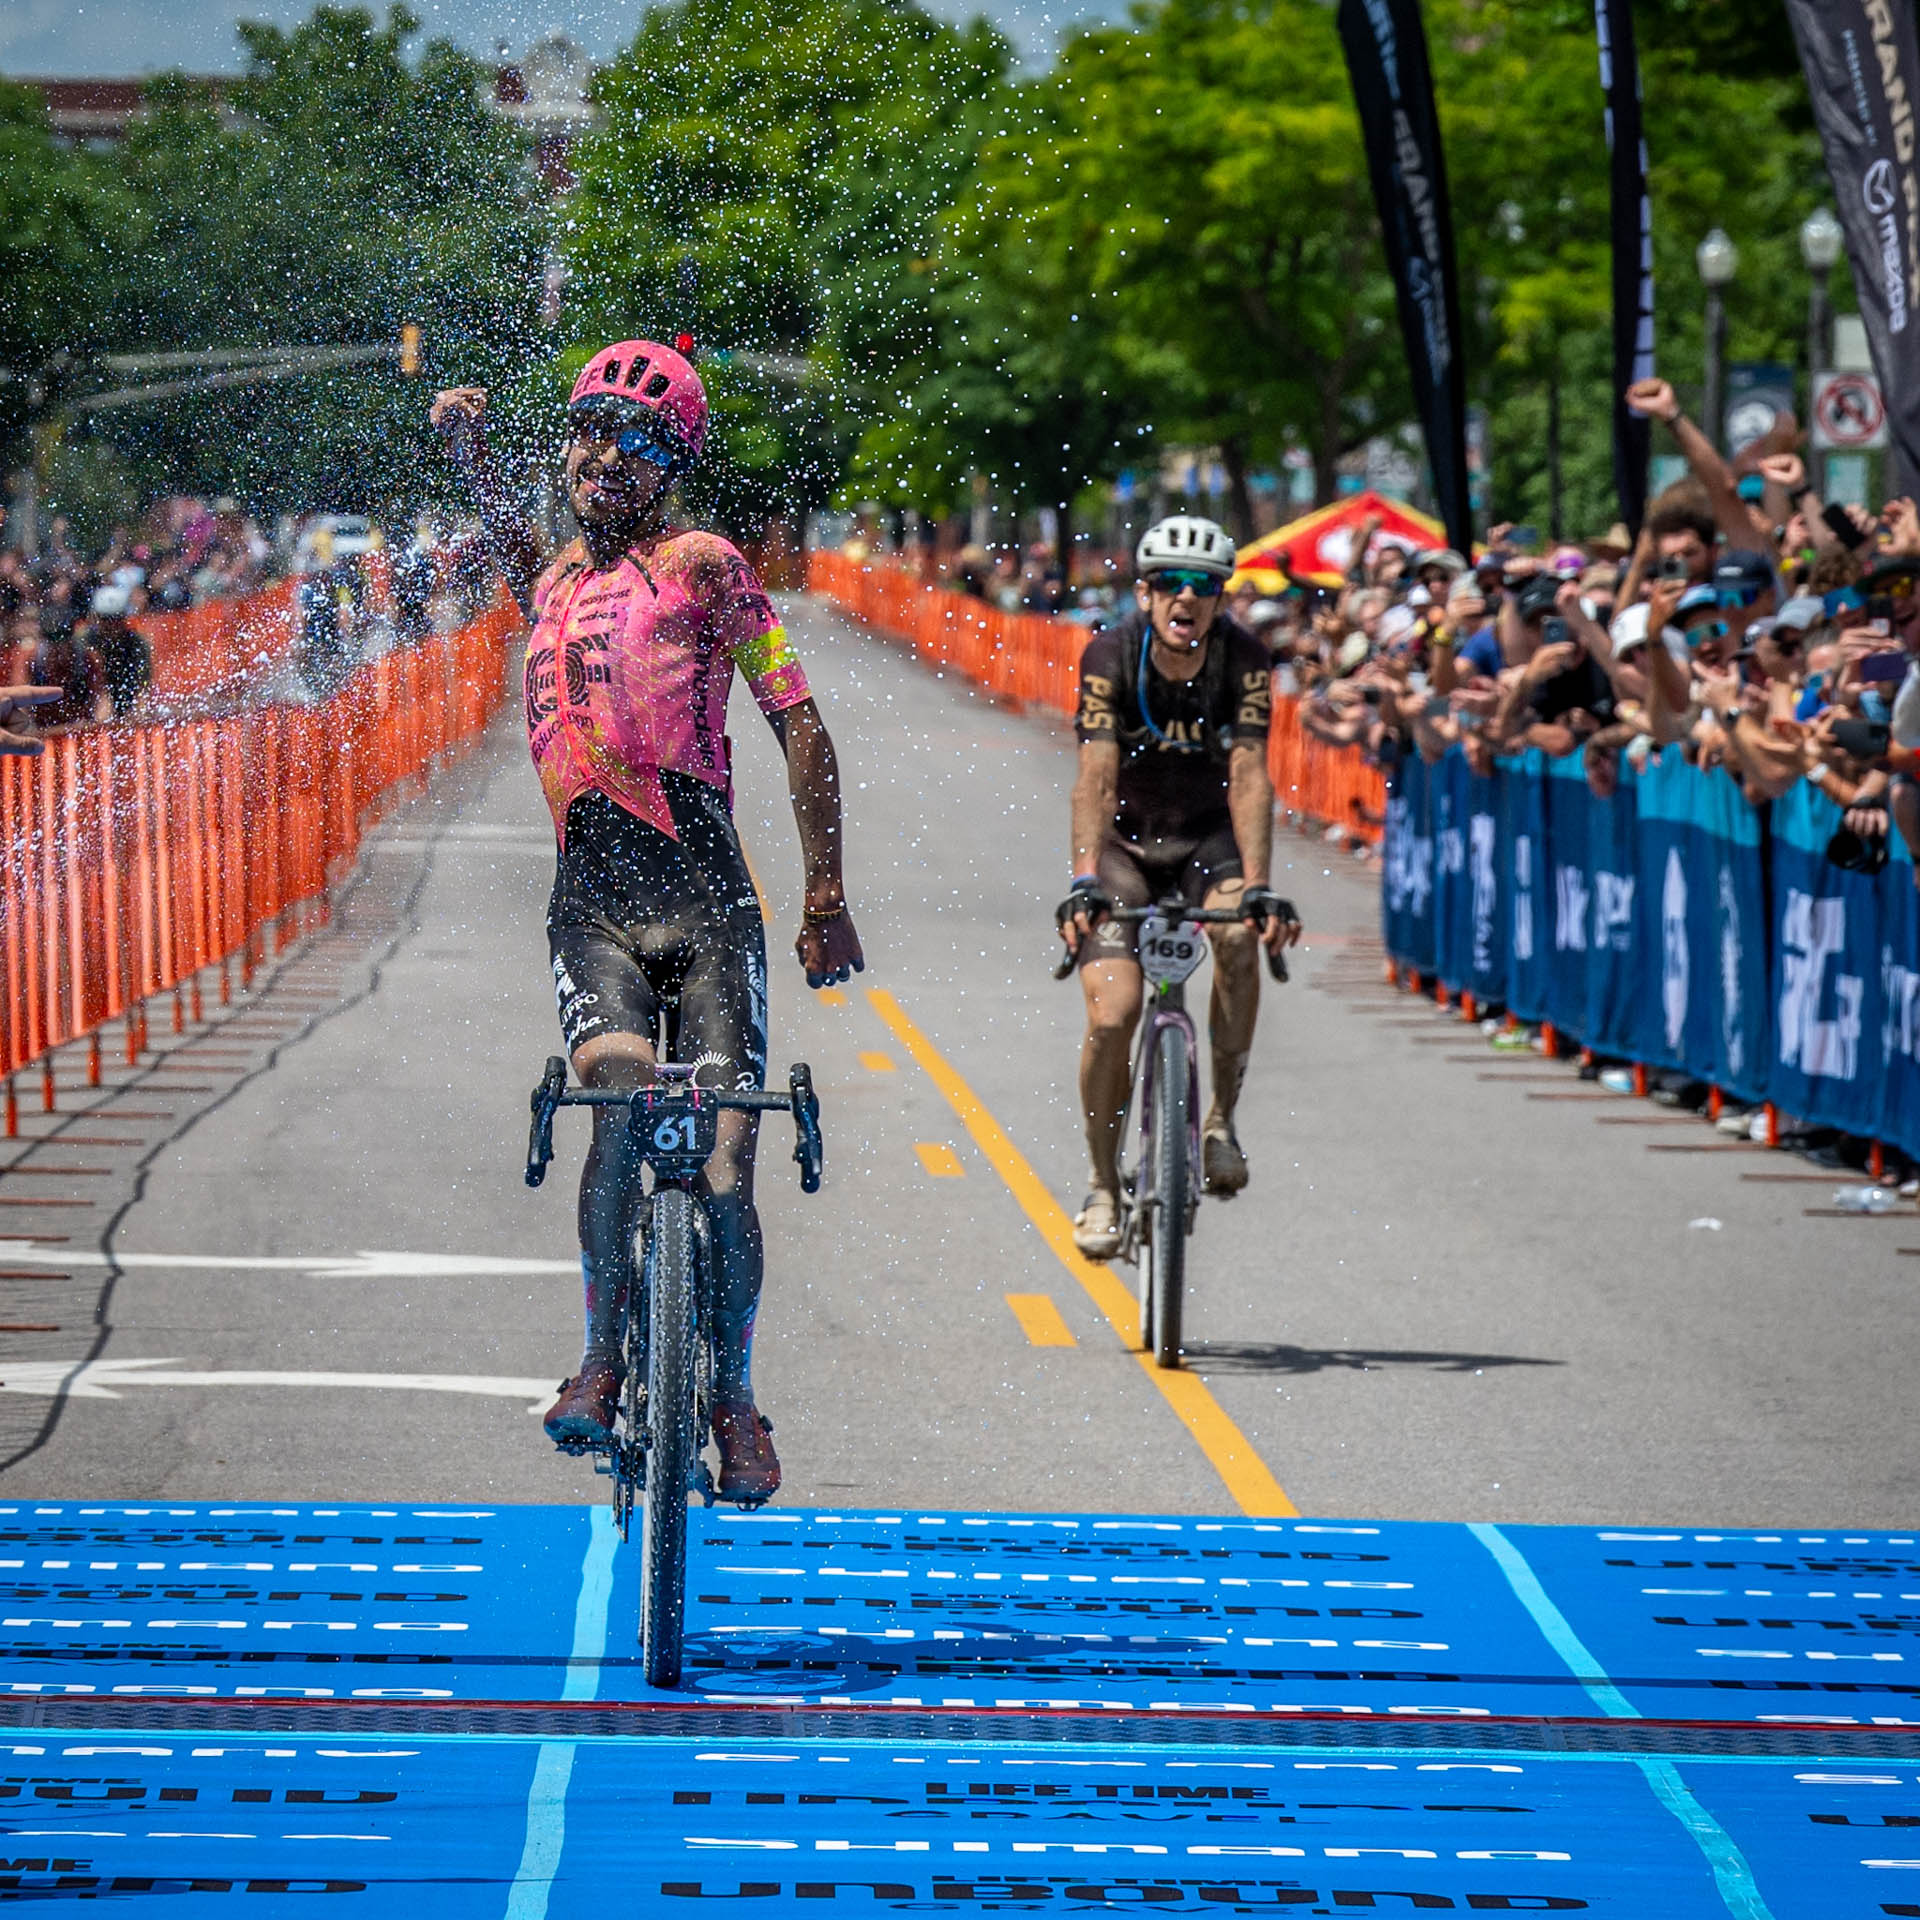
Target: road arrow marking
x,y
322,1266
107,1379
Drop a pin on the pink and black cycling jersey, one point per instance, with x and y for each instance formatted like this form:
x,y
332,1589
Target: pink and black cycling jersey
x,y
628,672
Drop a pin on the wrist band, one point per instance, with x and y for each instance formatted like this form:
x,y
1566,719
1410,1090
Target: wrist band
x,y
1084,880
822,916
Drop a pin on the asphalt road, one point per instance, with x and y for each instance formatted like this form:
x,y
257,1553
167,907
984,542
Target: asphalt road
x,y
1452,1291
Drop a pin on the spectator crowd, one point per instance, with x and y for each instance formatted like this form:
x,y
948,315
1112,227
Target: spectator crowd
x,y
70,619
1773,636
80,622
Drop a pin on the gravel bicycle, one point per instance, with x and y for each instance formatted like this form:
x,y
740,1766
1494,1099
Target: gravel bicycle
x,y
663,1423
1159,1192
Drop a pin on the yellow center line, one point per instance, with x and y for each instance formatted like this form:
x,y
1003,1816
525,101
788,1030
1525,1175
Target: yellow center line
x,y
939,1159
1040,1320
1231,1454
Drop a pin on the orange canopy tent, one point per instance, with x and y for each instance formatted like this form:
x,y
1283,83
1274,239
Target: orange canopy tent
x,y
1317,549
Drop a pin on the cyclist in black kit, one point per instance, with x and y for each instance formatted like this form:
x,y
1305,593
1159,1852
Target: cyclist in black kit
x,y
1172,797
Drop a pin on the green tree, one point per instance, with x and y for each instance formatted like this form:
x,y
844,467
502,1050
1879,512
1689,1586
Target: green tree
x,y
342,192
1184,210
59,220
767,178
1523,120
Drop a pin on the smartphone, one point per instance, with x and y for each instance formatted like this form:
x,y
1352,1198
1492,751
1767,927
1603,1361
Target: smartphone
x,y
1840,525
1883,668
1523,536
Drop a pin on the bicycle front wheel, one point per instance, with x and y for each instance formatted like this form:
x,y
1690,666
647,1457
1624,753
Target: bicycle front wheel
x,y
1169,1148
670,1434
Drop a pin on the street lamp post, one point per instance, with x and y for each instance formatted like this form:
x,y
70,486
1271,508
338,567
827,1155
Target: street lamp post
x,y
1718,260
1821,239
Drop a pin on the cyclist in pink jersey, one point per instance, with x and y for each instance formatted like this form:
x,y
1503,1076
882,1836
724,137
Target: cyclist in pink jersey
x,y
638,630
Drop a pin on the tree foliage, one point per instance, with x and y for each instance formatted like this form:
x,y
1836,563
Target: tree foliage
x,y
904,268
340,190
767,178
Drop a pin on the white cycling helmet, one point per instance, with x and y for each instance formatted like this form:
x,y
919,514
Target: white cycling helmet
x,y
1185,540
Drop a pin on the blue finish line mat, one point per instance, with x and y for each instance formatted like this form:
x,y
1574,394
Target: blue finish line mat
x,y
1138,1615
439,1709
466,1827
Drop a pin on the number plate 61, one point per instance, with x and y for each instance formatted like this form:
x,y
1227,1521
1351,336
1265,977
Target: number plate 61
x,y
677,1137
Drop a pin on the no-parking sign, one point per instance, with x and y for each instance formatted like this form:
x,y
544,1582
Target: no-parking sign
x,y
1848,412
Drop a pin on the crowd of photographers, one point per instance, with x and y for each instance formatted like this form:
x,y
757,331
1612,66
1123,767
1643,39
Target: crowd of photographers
x,y
1772,635
78,623
69,618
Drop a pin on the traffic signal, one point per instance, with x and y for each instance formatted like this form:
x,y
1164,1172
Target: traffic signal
x,y
410,349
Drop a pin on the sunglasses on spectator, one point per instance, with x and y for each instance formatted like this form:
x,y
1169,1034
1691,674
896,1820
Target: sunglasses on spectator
x,y
1698,636
1173,580
1896,586
1739,596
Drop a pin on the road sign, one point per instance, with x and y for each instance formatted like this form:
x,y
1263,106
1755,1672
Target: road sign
x,y
1848,413
1759,395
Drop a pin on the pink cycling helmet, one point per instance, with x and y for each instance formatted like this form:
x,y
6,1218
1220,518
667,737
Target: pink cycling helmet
x,y
652,377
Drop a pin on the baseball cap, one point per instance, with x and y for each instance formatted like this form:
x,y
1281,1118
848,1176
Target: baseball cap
x,y
1567,561
1743,575
1439,557
1629,629
1697,597
1538,595
111,602
1353,651
1802,612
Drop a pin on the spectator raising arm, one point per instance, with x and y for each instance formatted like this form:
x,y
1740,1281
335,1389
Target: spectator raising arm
x,y
1655,398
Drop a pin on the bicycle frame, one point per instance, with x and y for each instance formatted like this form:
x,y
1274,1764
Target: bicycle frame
x,y
1166,1007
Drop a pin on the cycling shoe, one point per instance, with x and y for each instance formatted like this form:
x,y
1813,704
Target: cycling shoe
x,y
583,1415
749,1467
1222,1162
1096,1227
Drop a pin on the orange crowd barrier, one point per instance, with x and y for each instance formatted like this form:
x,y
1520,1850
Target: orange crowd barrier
x,y
1035,660
137,857
216,647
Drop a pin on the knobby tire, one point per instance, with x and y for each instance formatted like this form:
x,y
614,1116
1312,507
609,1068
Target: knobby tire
x,y
1170,1148
670,1434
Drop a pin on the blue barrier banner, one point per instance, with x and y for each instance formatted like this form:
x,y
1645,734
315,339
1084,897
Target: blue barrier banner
x,y
1826,973
1485,930
1702,978
1452,884
1593,983
1616,927
1406,895
1659,925
1569,891
1529,920
1900,1002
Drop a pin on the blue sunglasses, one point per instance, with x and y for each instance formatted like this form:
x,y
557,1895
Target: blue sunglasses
x,y
637,439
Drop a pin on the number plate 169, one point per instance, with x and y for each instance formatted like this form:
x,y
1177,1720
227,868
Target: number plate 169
x,y
1169,952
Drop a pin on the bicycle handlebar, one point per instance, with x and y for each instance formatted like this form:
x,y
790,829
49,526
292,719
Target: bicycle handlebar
x,y
800,1100
1174,910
